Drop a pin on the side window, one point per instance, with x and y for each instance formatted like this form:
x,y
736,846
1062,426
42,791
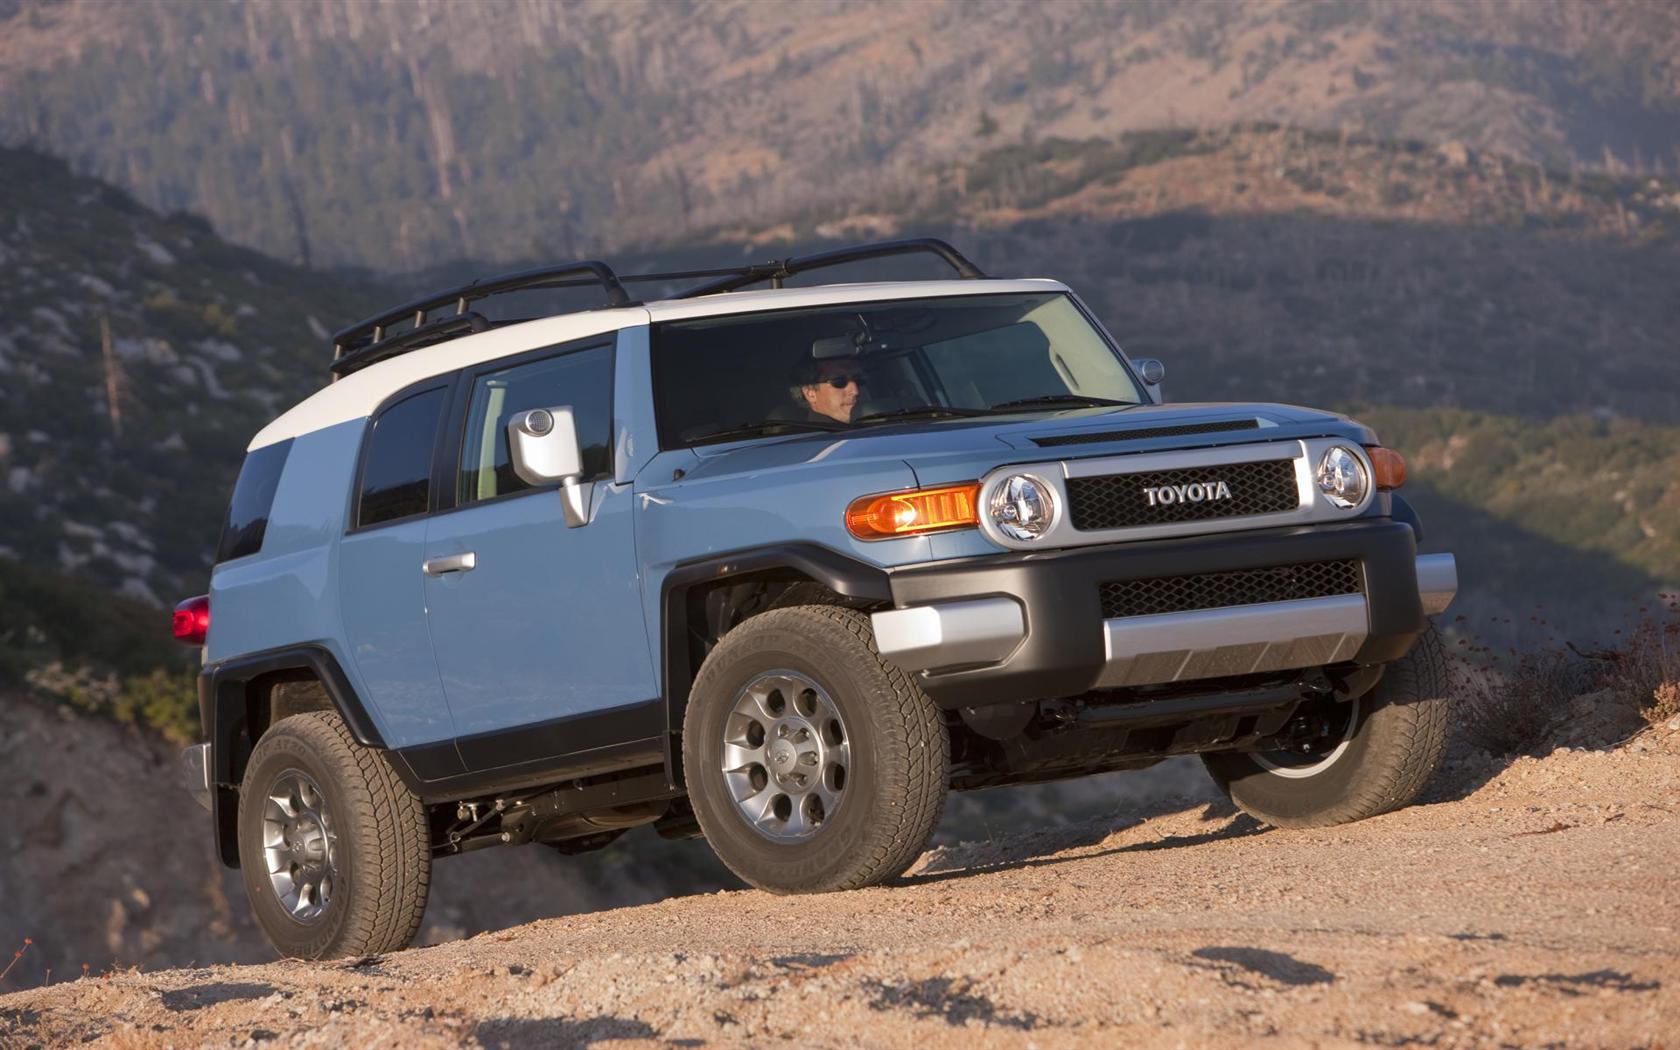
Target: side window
x,y
253,499
397,468
582,379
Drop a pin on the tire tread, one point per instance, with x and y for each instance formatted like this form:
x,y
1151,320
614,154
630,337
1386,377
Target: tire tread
x,y
1414,710
388,825
913,752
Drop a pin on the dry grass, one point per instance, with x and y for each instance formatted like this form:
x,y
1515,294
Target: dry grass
x,y
1516,702
15,957
1509,706
1644,670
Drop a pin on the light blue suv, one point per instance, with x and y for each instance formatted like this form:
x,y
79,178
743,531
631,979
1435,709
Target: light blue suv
x,y
779,567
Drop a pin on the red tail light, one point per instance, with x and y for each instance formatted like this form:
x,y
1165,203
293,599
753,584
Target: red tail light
x,y
192,620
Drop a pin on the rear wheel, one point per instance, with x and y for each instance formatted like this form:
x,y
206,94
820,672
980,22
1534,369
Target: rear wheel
x,y
334,848
1366,756
812,763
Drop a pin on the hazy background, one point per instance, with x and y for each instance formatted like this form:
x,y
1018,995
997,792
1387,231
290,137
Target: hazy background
x,y
1459,220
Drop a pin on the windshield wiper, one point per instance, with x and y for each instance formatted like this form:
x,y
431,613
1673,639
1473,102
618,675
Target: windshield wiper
x,y
759,428
1049,400
919,412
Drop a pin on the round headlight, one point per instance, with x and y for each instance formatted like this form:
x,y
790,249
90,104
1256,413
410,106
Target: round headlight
x,y
1342,477
1022,507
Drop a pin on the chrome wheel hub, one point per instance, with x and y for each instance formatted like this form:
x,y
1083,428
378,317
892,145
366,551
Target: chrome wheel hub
x,y
300,847
786,756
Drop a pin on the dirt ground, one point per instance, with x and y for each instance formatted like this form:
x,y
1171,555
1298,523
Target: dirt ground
x,y
1530,904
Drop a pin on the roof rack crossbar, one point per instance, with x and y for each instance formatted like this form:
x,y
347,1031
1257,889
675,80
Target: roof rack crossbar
x,y
778,271
421,335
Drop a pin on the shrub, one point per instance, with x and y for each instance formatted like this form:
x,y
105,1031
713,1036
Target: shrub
x,y
164,699
1512,710
1515,702
1643,672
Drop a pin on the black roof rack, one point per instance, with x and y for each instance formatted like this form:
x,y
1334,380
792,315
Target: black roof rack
x,y
365,342
779,271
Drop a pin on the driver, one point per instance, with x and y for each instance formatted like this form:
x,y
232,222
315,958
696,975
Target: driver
x,y
829,388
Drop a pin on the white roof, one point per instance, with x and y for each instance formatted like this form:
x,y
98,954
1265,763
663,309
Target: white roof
x,y
359,393
825,295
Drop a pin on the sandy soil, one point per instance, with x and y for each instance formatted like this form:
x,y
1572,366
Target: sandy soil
x,y
1530,905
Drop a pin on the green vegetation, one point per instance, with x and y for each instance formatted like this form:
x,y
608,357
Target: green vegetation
x,y
95,651
1584,482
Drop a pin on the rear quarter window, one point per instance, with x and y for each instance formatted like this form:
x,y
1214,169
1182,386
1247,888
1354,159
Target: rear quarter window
x,y
253,501
397,467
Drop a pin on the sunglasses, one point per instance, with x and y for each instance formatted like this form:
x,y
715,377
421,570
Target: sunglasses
x,y
840,382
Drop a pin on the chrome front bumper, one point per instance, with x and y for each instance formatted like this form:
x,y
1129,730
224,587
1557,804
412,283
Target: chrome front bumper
x,y
1168,647
195,772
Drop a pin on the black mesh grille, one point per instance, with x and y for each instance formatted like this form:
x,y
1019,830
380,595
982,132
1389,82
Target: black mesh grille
x,y
1119,501
1139,433
1221,590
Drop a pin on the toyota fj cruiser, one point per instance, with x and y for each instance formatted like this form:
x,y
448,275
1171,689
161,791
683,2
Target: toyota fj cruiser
x,y
779,567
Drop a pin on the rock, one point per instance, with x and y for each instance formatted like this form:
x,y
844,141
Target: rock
x,y
154,251
1455,153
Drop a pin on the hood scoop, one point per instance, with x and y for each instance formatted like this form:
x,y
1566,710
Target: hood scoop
x,y
1092,437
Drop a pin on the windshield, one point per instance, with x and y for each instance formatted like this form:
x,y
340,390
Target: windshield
x,y
864,364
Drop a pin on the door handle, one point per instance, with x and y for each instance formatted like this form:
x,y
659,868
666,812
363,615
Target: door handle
x,y
450,563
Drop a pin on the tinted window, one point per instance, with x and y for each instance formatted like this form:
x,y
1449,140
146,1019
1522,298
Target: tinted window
x,y
253,499
581,381
397,470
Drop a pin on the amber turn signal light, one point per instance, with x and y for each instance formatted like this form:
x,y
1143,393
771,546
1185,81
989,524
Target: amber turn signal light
x,y
1388,467
892,514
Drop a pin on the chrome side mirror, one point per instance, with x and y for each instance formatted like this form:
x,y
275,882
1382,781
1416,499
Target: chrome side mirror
x,y
543,445
1152,372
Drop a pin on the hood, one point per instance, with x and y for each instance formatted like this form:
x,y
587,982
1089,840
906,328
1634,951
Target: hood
x,y
952,450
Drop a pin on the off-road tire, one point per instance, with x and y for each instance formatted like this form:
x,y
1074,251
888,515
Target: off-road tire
x,y
1396,747
895,789
383,844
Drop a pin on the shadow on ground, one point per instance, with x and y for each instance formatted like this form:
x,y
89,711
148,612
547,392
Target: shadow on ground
x,y
1280,967
199,996
562,1031
1047,848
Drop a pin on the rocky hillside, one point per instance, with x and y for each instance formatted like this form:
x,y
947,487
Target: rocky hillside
x,y
396,134
138,354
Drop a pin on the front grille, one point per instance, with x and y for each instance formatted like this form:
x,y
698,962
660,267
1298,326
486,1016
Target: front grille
x,y
1222,590
1139,433
1119,501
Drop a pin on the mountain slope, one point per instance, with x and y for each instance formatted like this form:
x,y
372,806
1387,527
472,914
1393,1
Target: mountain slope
x,y
138,354
396,134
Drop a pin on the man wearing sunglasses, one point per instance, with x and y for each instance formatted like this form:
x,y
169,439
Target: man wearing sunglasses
x,y
829,389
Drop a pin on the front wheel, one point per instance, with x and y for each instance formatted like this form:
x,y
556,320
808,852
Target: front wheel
x,y
1376,754
334,849
812,763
